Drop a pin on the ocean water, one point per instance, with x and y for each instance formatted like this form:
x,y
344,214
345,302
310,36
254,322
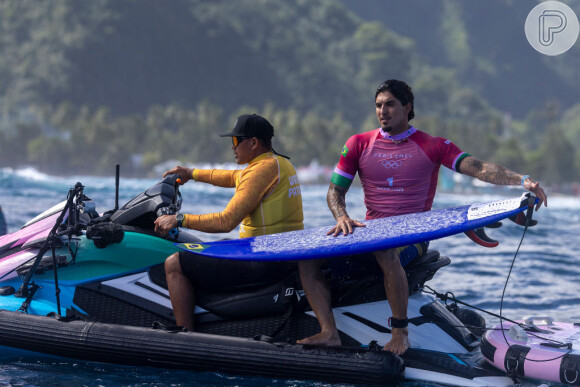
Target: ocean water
x,y
544,280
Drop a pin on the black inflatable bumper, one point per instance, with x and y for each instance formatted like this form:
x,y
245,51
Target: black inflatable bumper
x,y
196,351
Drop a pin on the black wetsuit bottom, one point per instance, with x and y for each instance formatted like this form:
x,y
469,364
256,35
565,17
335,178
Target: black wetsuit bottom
x,y
224,275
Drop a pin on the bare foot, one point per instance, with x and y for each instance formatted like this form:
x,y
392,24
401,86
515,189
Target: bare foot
x,y
399,341
330,340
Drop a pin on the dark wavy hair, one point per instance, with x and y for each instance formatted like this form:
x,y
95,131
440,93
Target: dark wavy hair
x,y
401,91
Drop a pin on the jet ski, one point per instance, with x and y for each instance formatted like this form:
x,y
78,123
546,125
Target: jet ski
x,y
78,283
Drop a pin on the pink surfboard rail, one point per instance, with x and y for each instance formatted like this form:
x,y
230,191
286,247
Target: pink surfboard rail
x,y
36,230
11,262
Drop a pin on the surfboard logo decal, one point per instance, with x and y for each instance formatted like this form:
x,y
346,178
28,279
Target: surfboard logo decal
x,y
195,247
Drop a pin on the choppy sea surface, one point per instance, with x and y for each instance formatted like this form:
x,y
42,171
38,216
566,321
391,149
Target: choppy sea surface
x,y
545,280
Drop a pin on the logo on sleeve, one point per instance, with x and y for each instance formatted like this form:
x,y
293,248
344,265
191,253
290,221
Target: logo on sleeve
x,y
344,151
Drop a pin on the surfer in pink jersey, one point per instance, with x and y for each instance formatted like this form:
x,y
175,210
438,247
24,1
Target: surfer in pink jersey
x,y
398,166
402,167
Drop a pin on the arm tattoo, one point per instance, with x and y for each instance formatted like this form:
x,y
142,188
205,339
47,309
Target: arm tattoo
x,y
336,199
475,164
489,172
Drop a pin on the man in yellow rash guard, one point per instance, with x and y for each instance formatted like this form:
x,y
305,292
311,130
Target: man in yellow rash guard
x,y
267,200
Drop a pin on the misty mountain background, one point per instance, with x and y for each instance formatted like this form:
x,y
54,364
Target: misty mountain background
x,y
85,85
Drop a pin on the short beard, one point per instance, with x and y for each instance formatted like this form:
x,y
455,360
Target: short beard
x,y
388,129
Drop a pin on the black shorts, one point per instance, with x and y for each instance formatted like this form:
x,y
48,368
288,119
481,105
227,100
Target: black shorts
x,y
226,275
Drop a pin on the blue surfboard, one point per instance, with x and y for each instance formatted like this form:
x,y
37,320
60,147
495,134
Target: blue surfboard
x,y
379,234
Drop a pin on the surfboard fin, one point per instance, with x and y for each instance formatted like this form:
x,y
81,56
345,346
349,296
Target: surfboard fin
x,y
479,236
520,218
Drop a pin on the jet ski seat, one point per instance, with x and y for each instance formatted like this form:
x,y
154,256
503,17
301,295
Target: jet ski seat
x,y
269,296
354,279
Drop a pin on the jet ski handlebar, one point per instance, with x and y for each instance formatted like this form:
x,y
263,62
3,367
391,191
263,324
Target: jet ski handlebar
x,y
163,198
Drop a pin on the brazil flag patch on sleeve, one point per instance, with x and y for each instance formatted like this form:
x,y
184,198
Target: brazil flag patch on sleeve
x,y
344,150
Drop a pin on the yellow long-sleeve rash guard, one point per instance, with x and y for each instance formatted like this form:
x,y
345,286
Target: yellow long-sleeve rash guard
x,y
267,198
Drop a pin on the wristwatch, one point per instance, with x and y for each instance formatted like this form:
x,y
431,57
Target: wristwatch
x,y
179,218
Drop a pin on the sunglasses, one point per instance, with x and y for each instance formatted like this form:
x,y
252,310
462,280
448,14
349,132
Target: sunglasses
x,y
236,140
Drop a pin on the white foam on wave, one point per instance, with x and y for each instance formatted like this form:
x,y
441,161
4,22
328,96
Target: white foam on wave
x,y
28,173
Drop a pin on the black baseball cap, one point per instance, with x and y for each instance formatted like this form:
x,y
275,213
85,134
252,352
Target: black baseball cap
x,y
251,125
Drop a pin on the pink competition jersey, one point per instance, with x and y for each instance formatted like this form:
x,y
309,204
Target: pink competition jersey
x,y
398,173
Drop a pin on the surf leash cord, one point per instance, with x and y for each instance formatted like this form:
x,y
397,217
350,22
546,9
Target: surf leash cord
x,y
526,221
522,222
530,328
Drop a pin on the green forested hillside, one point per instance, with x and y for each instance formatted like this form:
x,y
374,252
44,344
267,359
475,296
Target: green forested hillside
x,y
88,84
485,44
